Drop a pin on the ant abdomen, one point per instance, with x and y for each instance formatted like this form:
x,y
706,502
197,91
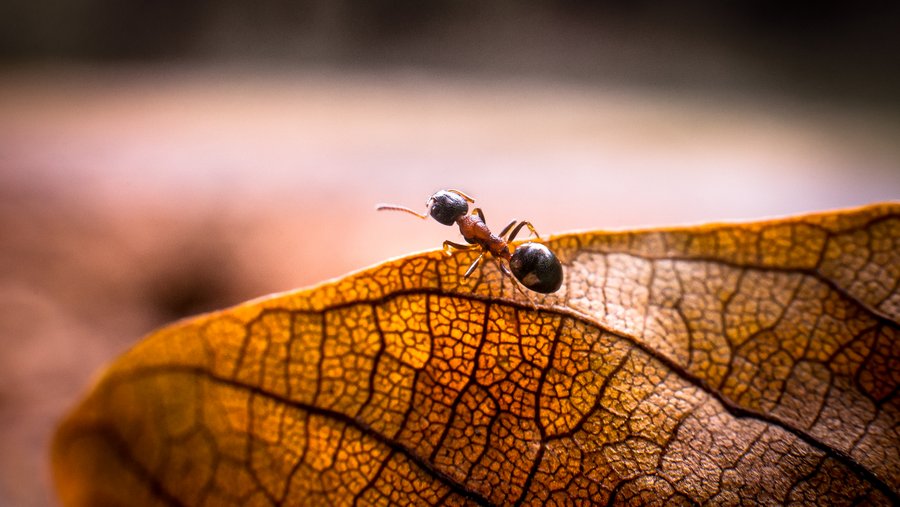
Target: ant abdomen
x,y
535,266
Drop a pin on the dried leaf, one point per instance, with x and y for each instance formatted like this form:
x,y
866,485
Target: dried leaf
x,y
749,363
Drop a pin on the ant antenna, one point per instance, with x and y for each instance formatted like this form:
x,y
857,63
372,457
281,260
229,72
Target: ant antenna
x,y
394,207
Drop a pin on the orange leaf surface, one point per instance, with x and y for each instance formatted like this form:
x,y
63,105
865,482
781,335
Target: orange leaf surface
x,y
740,363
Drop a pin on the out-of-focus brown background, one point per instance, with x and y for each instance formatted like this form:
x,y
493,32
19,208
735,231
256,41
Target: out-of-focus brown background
x,y
159,159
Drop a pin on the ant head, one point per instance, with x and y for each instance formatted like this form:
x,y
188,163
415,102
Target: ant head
x,y
537,268
446,206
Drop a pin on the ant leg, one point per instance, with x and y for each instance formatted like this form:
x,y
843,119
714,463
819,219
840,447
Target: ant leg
x,y
449,245
519,228
505,270
477,211
464,196
507,228
473,266
516,284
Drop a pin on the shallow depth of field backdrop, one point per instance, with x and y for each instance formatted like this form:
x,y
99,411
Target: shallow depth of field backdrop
x,y
160,159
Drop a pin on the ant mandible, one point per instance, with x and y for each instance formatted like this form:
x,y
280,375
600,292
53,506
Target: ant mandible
x,y
534,265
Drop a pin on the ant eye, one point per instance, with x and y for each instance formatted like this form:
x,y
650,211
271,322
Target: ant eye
x,y
537,268
446,207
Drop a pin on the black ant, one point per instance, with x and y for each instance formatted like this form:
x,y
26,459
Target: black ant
x,y
534,265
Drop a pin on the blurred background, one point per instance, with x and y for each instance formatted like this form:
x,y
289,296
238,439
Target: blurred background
x,y
164,158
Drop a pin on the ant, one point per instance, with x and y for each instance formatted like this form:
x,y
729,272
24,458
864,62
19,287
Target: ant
x,y
534,265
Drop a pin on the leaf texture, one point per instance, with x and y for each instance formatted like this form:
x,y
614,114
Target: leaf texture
x,y
724,364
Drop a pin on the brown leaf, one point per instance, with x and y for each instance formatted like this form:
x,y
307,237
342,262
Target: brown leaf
x,y
750,363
